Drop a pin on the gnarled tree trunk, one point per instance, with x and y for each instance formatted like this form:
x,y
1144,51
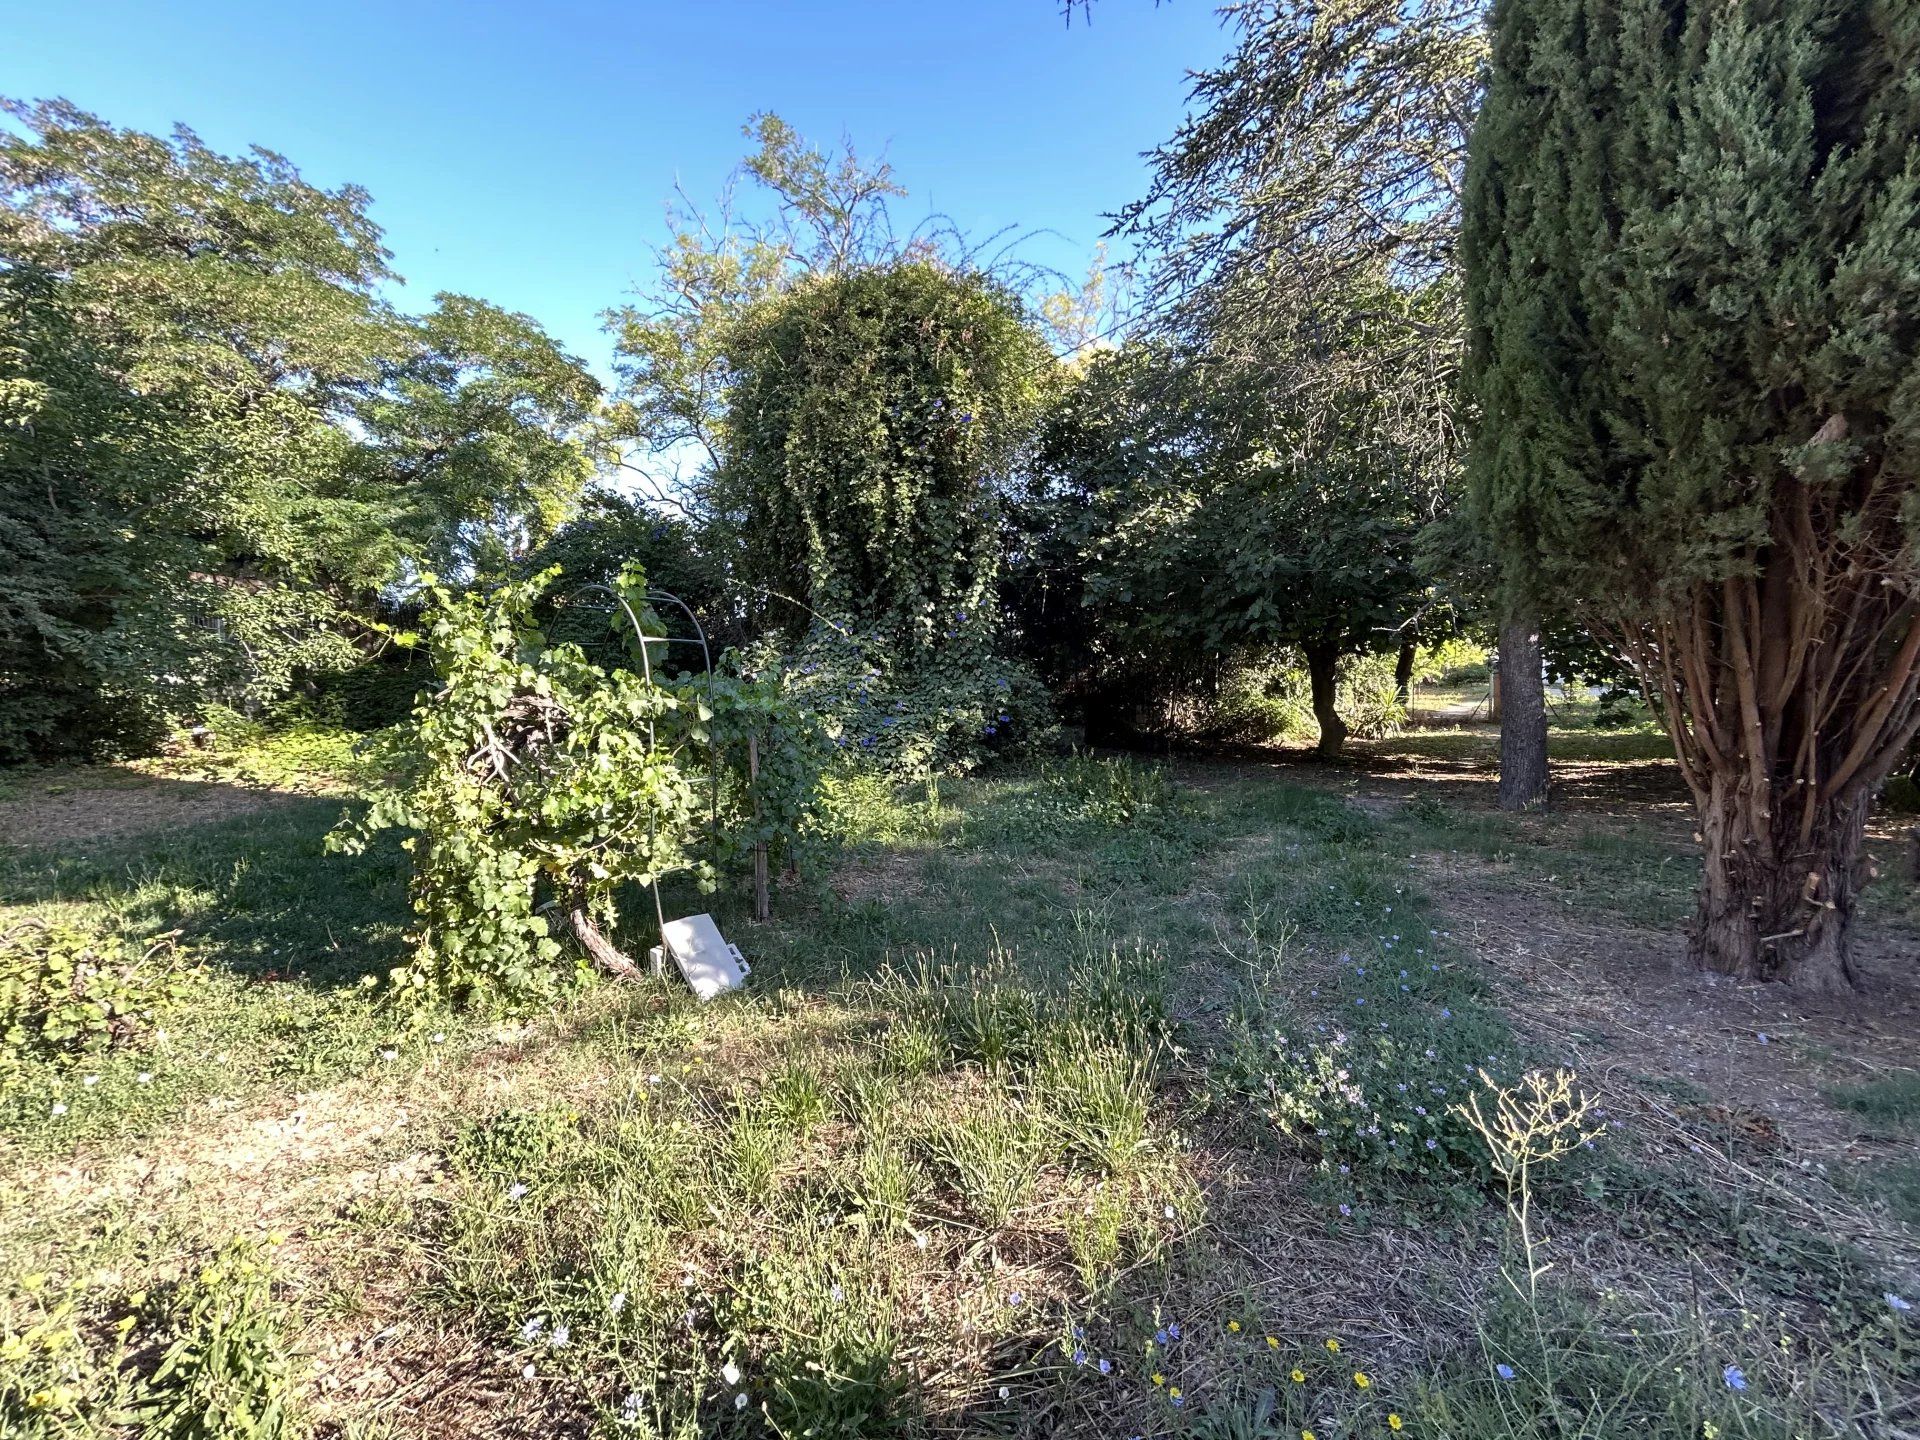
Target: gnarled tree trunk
x,y
1778,909
1790,692
1323,671
1523,715
605,955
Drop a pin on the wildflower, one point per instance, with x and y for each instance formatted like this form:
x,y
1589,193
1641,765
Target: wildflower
x,y
531,1330
1299,1376
526,1371
1735,1377
1015,1298
1504,1371
1333,1345
1394,1422
730,1373
439,1038
740,1401
617,1302
389,1054
1308,1435
1005,1392
91,1081
1106,1367
1177,1398
1173,1329
1158,1378
1361,1379
1344,1210
838,1294
1159,1337
516,1190
1897,1302
145,1077
1273,1342
59,1108
1233,1327
1079,1357
1168,1212
561,1335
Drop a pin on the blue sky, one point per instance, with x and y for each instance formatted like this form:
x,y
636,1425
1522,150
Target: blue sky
x,y
523,152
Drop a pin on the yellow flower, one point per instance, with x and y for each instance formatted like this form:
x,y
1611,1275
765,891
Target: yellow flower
x,y
1360,1379
1299,1377
1158,1378
1308,1435
1393,1422
1174,1391
1233,1326
1333,1345
1272,1343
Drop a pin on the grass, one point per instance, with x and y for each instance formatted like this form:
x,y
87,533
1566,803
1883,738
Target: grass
x,y
1091,1098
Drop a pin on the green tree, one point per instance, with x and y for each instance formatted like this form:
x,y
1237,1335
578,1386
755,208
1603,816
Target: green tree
x,y
1693,252
479,441
216,441
1205,520
1301,229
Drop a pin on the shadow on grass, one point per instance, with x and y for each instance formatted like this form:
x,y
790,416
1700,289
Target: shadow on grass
x,y
256,893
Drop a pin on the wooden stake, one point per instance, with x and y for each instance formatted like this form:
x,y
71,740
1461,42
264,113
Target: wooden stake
x,y
762,910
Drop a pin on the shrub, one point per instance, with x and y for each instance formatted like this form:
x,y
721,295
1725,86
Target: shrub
x,y
225,1373
67,992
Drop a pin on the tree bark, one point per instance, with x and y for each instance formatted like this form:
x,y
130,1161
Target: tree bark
x,y
1781,910
1323,665
1403,676
1523,715
605,955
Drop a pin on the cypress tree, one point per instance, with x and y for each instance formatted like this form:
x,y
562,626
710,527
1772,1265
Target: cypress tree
x,y
1692,246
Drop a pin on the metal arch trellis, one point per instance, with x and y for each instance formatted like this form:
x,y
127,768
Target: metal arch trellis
x,y
645,641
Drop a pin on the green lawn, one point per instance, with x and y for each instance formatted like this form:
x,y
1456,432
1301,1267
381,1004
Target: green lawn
x,y
1094,1098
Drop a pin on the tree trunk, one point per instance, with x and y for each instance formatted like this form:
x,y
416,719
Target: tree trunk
x,y
1778,911
1323,664
1403,677
1523,716
605,955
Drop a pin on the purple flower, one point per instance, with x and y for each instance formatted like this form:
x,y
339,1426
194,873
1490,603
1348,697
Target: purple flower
x,y
1504,1371
1106,1367
1897,1302
1173,1329
1735,1377
1079,1357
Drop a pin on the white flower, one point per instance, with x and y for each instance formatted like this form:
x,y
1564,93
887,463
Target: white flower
x,y
730,1373
1898,1302
91,1080
740,1401
59,1107
526,1371
145,1077
618,1302
838,1294
561,1335
516,1190
1004,1392
654,1079
1168,1212
438,1037
531,1330
388,1054
920,1241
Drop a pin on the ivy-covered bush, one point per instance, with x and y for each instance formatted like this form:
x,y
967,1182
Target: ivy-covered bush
x,y
540,781
877,416
67,992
